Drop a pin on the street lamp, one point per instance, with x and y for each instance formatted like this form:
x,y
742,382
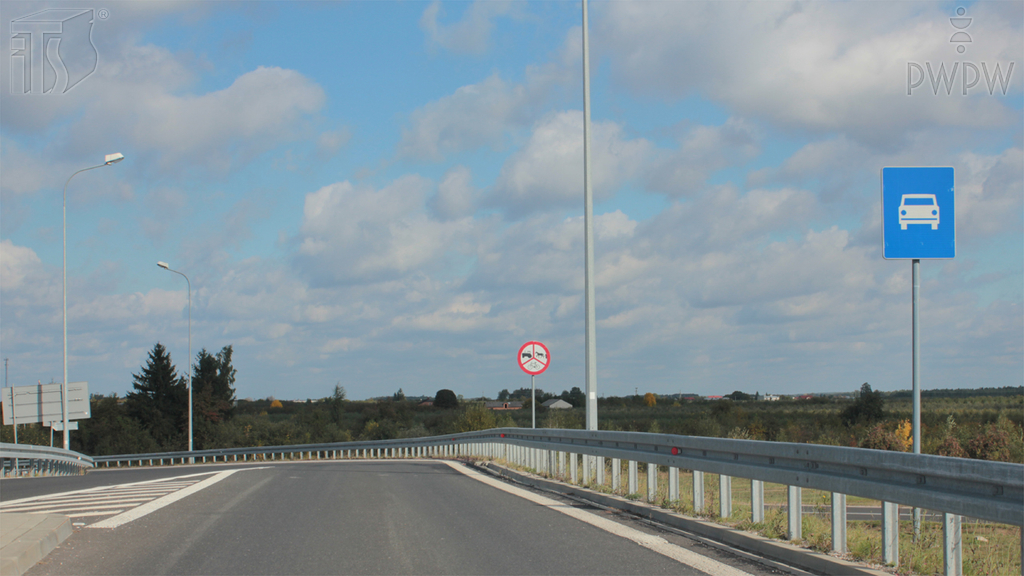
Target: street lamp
x,y
165,266
107,161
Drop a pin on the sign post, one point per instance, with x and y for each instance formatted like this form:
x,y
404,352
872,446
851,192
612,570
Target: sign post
x,y
534,359
918,221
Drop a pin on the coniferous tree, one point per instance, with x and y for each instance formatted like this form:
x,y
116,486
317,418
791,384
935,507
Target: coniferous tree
x,y
159,400
213,393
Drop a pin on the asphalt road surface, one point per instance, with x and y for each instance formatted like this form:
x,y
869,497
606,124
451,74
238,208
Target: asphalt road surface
x,y
345,517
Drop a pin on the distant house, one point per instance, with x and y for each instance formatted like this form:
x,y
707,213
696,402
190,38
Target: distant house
x,y
713,397
771,397
557,404
503,405
426,403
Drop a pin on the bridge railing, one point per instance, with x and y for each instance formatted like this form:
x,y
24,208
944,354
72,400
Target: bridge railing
x,y
955,487
18,459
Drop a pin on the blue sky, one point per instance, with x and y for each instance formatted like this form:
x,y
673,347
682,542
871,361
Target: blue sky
x,y
388,195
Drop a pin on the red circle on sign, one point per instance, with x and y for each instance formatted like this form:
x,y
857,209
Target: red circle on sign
x,y
533,358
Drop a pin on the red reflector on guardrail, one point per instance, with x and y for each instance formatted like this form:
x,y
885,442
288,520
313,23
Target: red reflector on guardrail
x,y
675,451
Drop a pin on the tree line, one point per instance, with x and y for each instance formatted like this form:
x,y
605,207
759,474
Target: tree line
x,y
153,416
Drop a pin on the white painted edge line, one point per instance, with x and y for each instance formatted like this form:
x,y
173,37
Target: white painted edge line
x,y
649,541
153,506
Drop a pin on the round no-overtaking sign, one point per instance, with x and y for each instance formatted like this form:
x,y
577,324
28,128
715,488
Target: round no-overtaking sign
x,y
534,358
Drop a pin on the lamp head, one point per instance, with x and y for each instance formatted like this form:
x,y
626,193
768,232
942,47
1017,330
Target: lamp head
x,y
164,265
113,158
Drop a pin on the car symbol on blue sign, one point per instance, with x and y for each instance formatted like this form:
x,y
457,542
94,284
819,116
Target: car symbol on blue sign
x,y
918,216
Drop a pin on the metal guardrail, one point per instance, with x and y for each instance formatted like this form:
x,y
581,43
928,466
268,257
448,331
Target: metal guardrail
x,y
955,487
17,459
991,491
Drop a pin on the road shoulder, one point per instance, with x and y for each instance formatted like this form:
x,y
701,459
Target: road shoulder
x,y
25,539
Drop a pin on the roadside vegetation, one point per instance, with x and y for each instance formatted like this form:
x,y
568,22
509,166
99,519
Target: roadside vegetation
x,y
983,423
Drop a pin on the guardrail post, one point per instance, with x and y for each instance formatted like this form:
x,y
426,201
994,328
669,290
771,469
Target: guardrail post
x,y
616,474
673,484
756,501
952,545
794,513
652,482
724,495
586,468
600,470
561,465
633,479
573,472
890,533
698,491
839,523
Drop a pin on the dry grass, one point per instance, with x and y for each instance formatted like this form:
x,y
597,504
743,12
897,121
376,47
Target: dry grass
x,y
988,549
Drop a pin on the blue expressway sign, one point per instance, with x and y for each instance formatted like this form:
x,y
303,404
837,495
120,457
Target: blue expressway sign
x,y
918,213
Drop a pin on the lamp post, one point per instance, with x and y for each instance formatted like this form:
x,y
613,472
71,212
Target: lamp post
x,y
165,266
107,161
590,323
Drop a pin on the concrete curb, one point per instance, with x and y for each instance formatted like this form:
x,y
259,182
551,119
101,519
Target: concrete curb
x,y
746,541
25,539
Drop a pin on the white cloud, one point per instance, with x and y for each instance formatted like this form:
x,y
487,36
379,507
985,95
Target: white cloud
x,y
472,34
461,314
484,114
547,172
16,264
474,116
456,197
823,67
703,151
330,141
220,129
354,233
989,193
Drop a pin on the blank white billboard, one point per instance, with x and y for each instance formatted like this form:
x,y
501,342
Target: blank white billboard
x,y
41,403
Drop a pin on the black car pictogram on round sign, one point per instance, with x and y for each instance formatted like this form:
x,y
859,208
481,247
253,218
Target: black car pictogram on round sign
x,y
534,358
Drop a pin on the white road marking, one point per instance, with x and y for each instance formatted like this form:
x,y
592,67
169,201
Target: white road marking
x,y
107,501
165,481
87,515
649,541
153,506
34,508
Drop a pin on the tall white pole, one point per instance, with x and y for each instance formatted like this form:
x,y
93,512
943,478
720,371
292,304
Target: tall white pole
x,y
188,283
64,267
189,365
588,234
533,399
